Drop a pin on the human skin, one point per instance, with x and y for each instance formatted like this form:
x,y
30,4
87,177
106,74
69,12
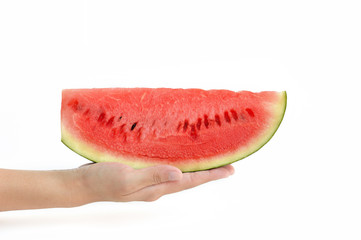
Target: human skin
x,y
28,189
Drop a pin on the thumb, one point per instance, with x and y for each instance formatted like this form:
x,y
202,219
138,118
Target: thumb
x,y
155,175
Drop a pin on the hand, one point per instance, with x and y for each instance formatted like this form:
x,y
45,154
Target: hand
x,y
121,183
28,189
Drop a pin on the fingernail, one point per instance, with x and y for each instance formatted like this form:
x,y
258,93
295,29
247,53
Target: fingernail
x,y
173,176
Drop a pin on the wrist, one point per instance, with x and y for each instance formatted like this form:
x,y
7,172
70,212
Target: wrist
x,y
77,188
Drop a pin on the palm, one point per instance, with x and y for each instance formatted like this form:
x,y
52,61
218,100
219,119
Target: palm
x,y
119,182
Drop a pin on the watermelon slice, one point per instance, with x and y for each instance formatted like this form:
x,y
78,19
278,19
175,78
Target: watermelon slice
x,y
191,129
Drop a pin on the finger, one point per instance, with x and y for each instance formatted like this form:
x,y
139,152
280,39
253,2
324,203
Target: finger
x,y
145,177
188,181
194,179
87,164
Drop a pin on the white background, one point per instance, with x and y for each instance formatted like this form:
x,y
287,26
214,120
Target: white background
x,y
304,184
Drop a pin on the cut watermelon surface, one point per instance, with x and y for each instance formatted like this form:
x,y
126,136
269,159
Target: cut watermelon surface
x,y
191,129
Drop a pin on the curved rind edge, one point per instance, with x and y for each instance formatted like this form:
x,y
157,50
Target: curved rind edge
x,y
90,153
267,138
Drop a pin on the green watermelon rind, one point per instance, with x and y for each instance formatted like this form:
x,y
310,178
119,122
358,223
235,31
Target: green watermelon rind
x,y
90,153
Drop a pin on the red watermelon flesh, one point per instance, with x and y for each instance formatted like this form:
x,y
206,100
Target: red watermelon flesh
x,y
192,129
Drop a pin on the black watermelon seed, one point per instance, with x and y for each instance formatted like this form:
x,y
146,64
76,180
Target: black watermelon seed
x,y
133,126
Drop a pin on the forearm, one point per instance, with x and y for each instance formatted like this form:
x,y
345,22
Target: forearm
x,y
108,181
22,189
